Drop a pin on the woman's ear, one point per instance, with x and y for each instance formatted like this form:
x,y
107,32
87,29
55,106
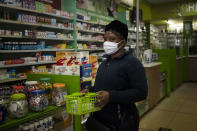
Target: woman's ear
x,y
123,42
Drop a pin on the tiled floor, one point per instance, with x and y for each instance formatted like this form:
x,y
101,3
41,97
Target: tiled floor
x,y
178,112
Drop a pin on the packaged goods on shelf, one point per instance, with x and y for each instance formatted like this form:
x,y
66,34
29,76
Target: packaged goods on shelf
x,y
45,123
3,74
148,56
61,46
12,73
72,58
88,27
3,111
89,37
5,92
40,70
14,61
86,85
10,33
94,61
18,89
67,70
40,6
86,72
15,3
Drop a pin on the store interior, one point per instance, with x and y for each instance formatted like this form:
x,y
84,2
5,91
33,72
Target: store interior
x,y
53,48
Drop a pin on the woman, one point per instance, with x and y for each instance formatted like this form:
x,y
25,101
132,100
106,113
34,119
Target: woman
x,y
120,82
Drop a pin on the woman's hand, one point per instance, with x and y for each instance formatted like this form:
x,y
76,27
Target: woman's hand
x,y
102,99
84,91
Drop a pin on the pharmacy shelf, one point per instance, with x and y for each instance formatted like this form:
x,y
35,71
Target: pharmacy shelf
x,y
34,24
93,32
12,80
88,40
9,123
9,36
25,37
34,11
28,64
41,50
57,39
90,22
100,49
133,31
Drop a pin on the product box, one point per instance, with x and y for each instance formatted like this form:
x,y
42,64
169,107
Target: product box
x,y
94,72
61,58
61,46
86,72
72,58
67,70
84,57
86,85
94,61
42,70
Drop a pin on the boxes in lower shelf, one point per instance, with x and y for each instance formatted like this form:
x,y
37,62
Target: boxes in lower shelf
x,y
78,103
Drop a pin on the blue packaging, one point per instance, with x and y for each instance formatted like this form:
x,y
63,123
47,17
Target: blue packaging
x,y
3,113
86,85
86,70
1,45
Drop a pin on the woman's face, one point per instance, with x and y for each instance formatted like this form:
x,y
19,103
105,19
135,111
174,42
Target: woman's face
x,y
110,36
113,37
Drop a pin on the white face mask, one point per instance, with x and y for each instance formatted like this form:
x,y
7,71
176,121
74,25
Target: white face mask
x,y
110,47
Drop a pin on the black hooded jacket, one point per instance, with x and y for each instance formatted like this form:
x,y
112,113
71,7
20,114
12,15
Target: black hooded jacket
x,y
124,77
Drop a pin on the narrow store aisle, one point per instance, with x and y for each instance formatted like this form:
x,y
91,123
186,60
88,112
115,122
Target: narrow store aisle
x,y
178,112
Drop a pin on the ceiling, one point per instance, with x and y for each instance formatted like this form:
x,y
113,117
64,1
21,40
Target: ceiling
x,y
161,1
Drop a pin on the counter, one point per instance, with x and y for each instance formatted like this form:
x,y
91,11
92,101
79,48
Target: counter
x,y
192,68
180,69
153,77
152,64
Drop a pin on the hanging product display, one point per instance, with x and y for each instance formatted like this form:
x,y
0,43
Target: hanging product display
x,y
18,105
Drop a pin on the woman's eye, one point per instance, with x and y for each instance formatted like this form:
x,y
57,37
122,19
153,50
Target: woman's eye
x,y
112,39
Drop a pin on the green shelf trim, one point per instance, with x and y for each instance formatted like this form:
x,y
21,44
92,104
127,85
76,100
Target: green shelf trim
x,y
30,116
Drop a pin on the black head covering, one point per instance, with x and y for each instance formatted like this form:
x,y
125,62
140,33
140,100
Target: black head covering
x,y
118,27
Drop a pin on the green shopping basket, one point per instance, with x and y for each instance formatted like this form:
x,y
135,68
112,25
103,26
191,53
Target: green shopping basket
x,y
79,103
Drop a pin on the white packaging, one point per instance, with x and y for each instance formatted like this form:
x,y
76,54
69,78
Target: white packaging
x,y
68,70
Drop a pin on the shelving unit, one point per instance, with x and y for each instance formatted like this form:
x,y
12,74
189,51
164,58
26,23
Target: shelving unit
x,y
21,26
34,25
39,38
28,64
43,50
89,22
93,32
30,116
12,80
34,11
91,49
100,41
